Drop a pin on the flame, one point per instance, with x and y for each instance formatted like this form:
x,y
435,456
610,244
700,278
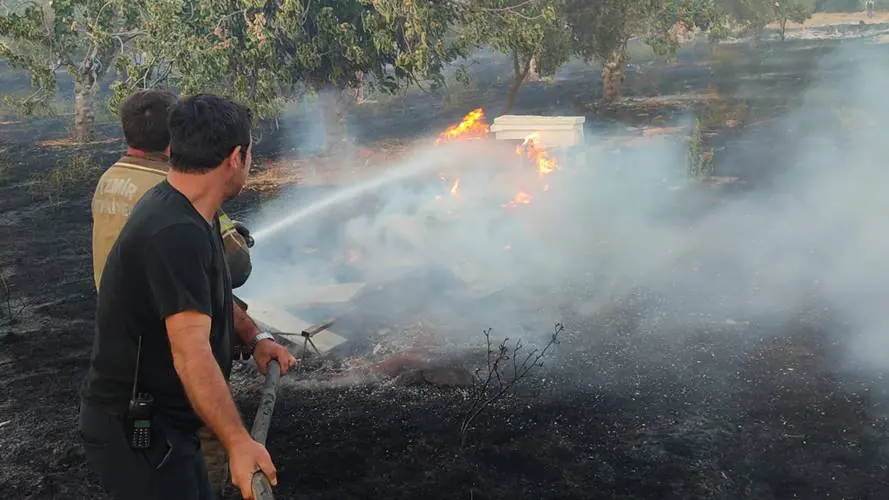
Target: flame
x,y
538,155
473,126
456,188
521,198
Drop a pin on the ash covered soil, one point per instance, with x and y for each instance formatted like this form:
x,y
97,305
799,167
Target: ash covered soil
x,y
717,407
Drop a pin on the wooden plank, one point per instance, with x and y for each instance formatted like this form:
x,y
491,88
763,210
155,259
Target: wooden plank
x,y
539,121
289,327
324,295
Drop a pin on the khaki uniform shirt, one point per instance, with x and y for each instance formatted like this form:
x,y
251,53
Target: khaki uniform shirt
x,y
117,192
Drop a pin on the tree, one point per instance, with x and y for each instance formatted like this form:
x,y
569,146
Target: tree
x,y
754,15
711,18
386,45
751,15
266,52
83,37
217,46
601,30
797,11
530,32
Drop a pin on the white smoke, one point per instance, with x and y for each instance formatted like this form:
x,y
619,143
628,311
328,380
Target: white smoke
x,y
618,221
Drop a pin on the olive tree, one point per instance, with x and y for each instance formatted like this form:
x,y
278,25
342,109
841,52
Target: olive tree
x,y
752,16
82,37
601,30
267,52
532,33
797,11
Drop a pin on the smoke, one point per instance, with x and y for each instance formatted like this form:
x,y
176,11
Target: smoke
x,y
614,222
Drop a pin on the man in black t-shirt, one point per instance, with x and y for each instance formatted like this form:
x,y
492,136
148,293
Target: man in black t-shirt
x,y
165,320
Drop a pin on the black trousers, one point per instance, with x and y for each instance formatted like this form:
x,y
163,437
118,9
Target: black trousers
x,y
171,469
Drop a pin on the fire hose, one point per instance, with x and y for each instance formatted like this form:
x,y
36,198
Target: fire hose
x,y
262,490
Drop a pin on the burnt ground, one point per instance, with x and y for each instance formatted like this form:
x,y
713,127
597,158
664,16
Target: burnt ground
x,y
712,409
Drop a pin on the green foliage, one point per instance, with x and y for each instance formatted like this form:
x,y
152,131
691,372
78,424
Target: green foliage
x,y
531,32
751,15
80,36
218,46
709,17
602,27
411,37
754,15
699,161
797,11
264,52
521,29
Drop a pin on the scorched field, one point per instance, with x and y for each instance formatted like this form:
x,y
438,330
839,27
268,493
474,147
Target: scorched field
x,y
692,308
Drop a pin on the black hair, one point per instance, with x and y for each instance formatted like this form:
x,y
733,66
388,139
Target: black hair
x,y
205,129
143,116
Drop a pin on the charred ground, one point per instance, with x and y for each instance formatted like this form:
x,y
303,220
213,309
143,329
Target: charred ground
x,y
709,409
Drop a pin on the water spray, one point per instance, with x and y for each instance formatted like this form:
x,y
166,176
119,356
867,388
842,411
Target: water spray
x,y
350,193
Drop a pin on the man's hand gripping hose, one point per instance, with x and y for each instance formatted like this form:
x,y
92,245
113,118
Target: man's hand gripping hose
x,y
262,489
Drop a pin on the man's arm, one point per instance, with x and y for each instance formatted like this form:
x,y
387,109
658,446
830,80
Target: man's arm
x,y
178,265
189,333
266,350
244,326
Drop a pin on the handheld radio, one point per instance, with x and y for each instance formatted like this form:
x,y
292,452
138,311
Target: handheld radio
x,y
139,411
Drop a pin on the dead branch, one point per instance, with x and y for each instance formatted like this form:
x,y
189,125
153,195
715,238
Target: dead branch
x,y
495,384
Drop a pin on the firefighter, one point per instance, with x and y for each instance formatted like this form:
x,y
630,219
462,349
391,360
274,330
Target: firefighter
x,y
143,117
145,164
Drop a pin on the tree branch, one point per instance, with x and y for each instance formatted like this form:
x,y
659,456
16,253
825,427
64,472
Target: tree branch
x,y
482,397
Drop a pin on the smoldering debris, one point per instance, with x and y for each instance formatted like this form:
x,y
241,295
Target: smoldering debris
x,y
493,241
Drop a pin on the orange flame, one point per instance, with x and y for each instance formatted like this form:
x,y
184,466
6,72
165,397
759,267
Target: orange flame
x,y
521,198
456,188
539,156
473,126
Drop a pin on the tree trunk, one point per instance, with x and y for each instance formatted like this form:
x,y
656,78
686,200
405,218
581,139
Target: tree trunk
x,y
520,71
783,29
359,88
90,72
334,105
534,69
613,75
85,89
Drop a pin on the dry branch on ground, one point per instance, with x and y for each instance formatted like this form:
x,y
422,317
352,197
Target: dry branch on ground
x,y
507,366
